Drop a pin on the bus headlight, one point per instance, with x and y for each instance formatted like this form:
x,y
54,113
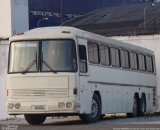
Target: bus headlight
x,y
10,105
69,104
17,105
61,104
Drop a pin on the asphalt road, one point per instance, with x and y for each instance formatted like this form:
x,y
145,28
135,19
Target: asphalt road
x,y
74,123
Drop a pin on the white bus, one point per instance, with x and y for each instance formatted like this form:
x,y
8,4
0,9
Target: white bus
x,y
67,71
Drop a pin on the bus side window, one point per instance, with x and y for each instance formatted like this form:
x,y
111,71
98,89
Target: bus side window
x,y
83,59
124,59
142,62
115,57
149,64
133,61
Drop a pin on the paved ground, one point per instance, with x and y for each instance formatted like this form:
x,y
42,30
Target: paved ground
x,y
74,123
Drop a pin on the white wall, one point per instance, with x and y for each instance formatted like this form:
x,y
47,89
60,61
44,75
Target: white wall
x,y
3,75
5,18
151,42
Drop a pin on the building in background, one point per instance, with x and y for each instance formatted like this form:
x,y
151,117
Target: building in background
x,y
139,19
59,11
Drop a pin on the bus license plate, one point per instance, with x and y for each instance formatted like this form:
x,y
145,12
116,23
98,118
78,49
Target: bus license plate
x,y
39,107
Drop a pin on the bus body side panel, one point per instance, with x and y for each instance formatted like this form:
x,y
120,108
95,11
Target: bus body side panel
x,y
116,86
117,91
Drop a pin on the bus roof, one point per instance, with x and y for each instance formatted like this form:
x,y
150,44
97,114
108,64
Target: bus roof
x,y
62,32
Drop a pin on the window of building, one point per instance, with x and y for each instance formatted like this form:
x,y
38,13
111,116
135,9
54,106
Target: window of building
x,y
149,64
115,59
83,59
133,60
93,52
124,59
141,60
104,55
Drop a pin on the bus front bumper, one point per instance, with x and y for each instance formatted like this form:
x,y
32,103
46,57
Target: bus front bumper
x,y
47,107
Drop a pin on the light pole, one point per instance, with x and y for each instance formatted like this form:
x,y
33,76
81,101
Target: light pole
x,y
103,4
61,11
144,12
40,20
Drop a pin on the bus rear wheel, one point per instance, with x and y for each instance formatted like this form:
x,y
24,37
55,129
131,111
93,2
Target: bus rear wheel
x,y
95,114
135,108
35,119
142,105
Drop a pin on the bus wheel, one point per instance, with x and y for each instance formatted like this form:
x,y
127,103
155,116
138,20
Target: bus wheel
x,y
135,107
129,115
142,105
35,119
95,112
102,116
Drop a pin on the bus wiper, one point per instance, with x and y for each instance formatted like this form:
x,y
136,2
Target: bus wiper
x,y
30,65
46,64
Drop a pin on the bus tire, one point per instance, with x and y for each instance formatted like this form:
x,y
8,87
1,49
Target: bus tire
x,y
82,117
129,115
135,109
35,119
95,114
142,105
102,116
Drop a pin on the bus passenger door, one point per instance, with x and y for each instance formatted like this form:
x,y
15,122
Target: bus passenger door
x,y
83,58
83,76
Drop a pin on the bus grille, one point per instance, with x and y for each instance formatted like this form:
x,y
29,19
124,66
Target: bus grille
x,y
47,93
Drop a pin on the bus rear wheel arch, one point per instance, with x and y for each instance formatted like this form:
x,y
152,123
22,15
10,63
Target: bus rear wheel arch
x,y
95,114
35,119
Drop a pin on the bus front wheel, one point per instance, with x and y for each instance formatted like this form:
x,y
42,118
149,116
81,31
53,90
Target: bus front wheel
x,y
35,119
95,114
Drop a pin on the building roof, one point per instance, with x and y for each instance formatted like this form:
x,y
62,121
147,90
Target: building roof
x,y
124,20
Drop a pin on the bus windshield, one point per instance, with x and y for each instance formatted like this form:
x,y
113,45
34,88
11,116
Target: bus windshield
x,y
46,56
58,55
23,56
